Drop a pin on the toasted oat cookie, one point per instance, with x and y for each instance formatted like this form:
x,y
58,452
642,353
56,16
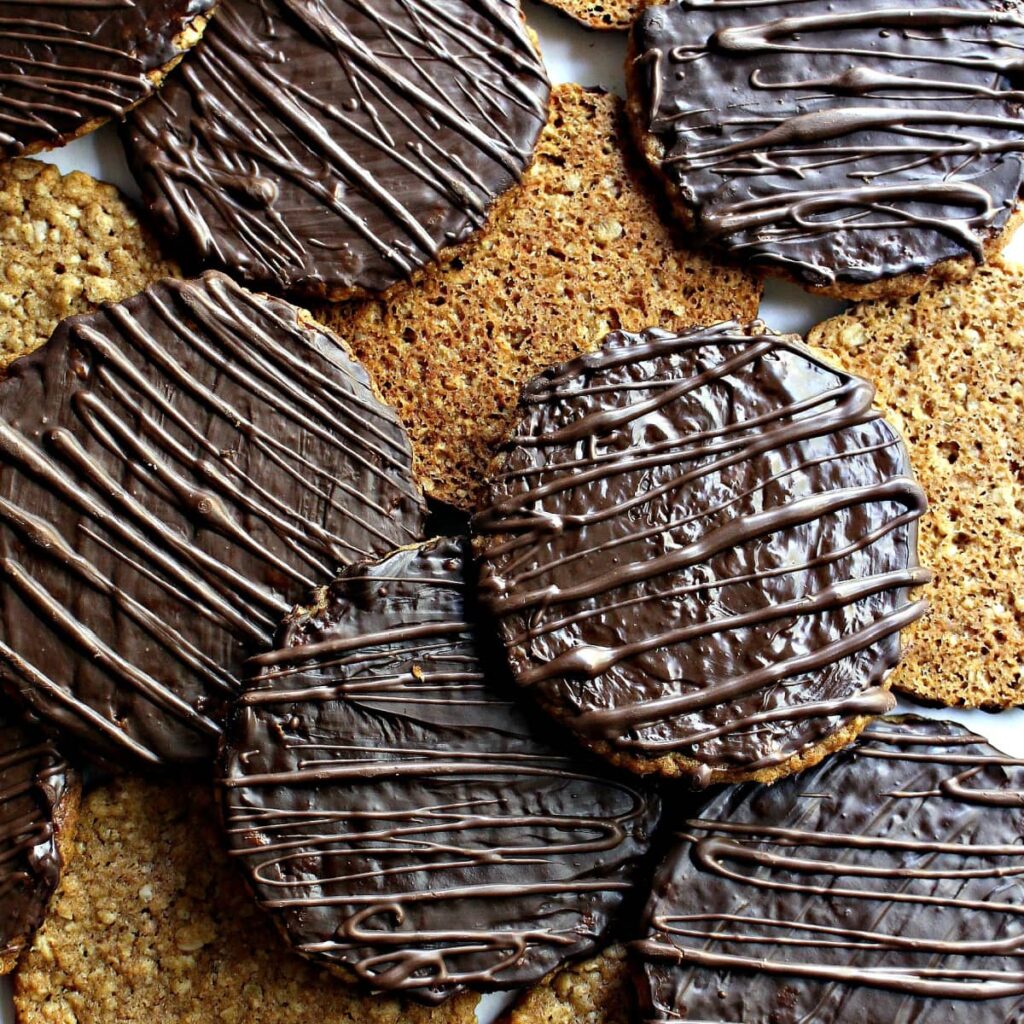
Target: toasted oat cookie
x,y
152,925
604,14
947,364
580,251
67,243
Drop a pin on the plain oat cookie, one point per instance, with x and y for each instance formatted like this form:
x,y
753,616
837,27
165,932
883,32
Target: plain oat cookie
x,y
152,925
67,243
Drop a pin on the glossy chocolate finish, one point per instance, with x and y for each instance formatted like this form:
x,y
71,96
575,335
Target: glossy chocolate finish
x,y
401,814
700,545
175,471
886,884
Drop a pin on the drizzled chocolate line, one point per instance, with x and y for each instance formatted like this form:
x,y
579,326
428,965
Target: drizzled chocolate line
x,y
702,544
177,469
846,146
396,808
876,887
335,147
64,63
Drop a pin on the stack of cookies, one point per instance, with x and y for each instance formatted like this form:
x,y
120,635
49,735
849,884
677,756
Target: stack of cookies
x,y
421,574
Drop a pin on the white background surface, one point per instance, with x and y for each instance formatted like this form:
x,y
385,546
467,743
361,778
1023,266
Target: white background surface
x,y
572,54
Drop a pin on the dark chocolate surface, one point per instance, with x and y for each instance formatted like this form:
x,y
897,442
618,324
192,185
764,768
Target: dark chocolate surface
x,y
64,63
886,884
330,147
401,813
836,142
34,780
175,471
700,545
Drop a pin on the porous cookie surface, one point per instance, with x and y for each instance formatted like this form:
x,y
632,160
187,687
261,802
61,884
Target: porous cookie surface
x,y
579,251
698,551
331,149
39,795
883,885
606,14
947,365
406,820
152,926
176,471
67,243
869,151
71,65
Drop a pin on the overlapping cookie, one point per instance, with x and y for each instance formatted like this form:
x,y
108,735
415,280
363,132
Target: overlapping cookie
x,y
67,66
860,150
699,550
330,149
405,820
176,471
601,14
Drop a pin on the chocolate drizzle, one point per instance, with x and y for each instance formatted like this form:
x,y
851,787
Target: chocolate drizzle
x,y
331,147
875,887
700,545
66,63
34,781
400,813
846,146
175,471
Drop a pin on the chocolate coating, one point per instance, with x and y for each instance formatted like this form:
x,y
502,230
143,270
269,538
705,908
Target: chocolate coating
x,y
66,63
34,782
699,547
837,143
175,471
404,818
331,147
885,884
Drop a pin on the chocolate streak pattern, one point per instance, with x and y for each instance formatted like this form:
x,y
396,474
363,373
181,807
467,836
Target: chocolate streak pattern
x,y
175,471
701,545
401,814
331,147
34,780
876,887
65,63
833,142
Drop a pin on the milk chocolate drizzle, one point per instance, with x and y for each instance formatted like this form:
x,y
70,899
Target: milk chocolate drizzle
x,y
701,544
175,471
34,780
64,63
327,147
403,816
835,143
876,887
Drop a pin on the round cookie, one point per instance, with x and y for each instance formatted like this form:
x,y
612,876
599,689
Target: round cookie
x,y
176,471
152,926
330,149
406,822
847,149
67,243
886,884
948,370
39,798
580,250
698,551
73,65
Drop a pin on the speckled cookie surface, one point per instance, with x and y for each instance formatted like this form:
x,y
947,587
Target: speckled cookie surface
x,y
948,369
151,925
580,251
601,14
67,243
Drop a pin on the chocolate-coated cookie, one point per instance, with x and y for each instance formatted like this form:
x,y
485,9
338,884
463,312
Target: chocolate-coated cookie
x,y
175,471
407,822
886,884
66,66
331,147
859,149
699,548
